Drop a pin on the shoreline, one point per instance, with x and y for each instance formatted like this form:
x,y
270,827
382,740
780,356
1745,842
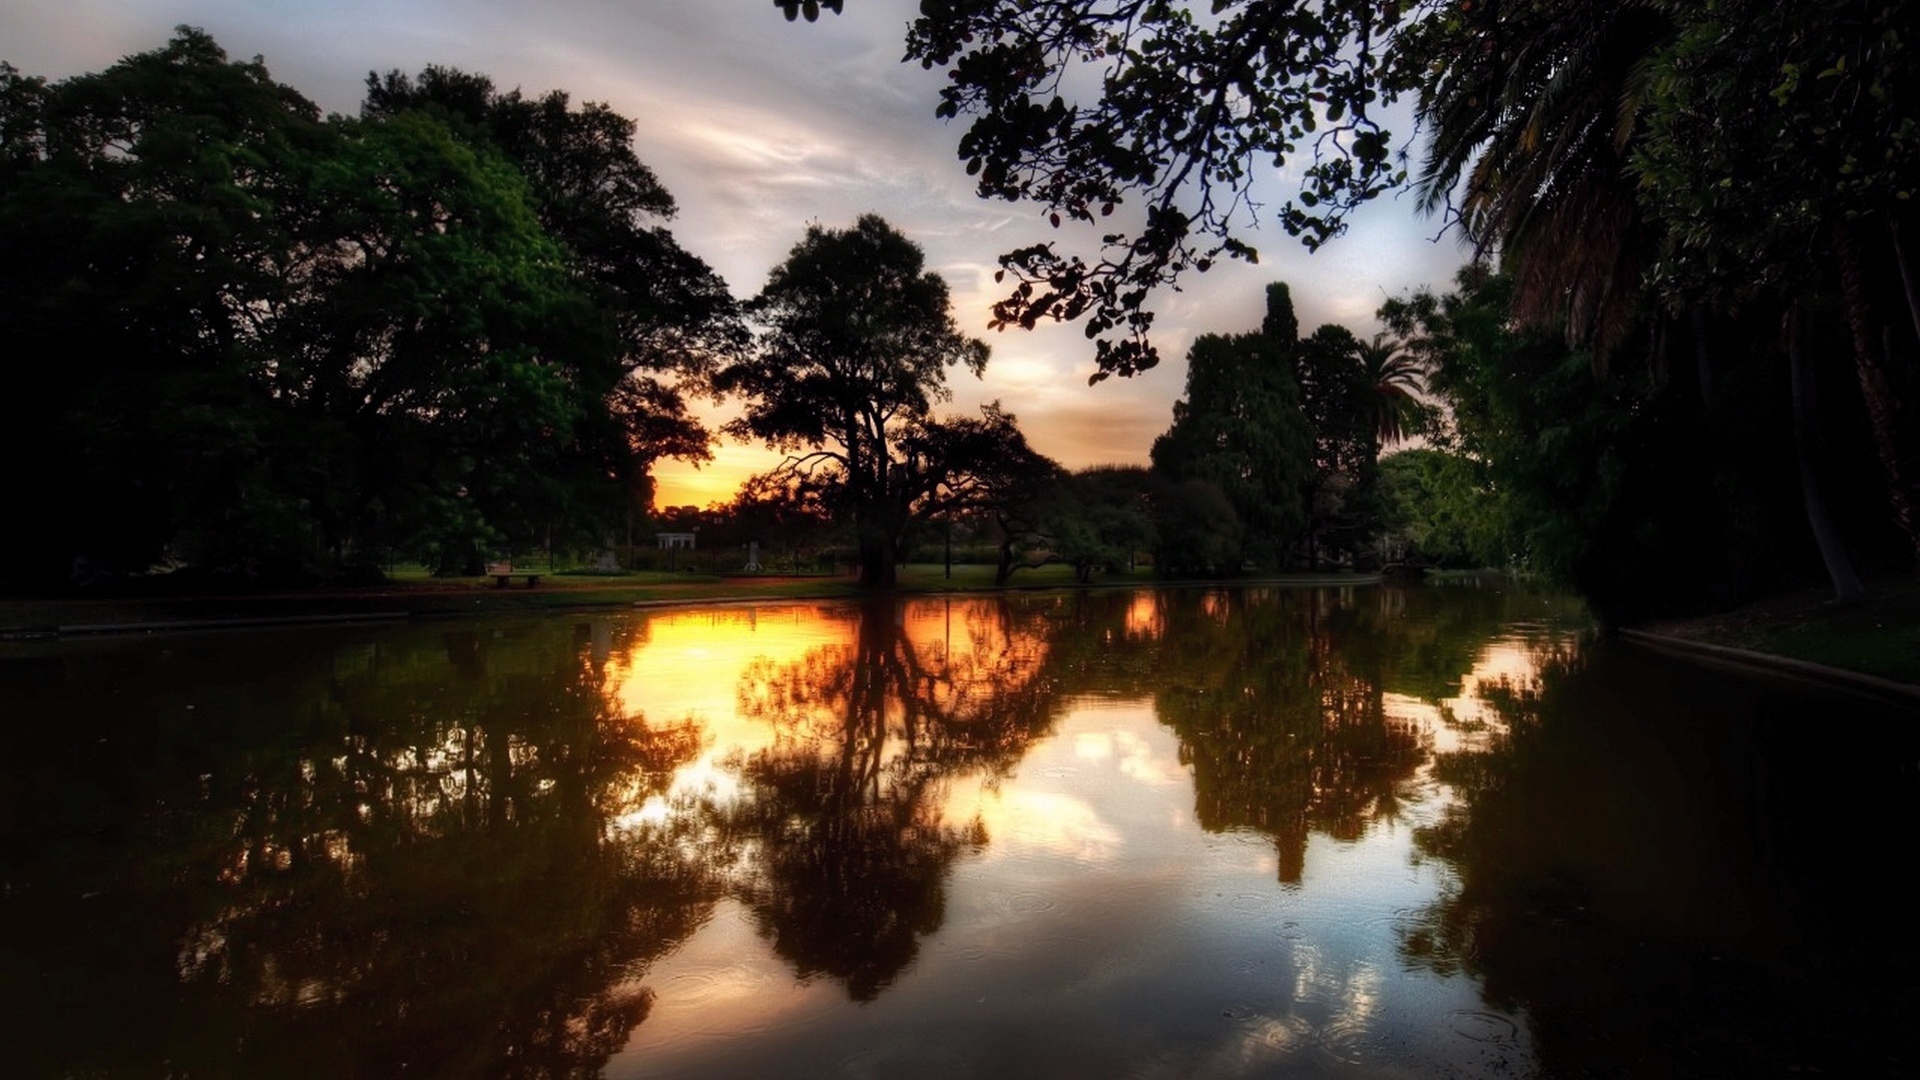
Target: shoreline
x,y
71,618
1873,647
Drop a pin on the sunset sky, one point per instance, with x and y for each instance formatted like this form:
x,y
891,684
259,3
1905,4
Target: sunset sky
x,y
757,127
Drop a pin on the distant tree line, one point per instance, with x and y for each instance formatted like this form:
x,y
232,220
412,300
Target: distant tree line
x,y
259,343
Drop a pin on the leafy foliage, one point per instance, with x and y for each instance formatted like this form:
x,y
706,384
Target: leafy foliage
x,y
1105,518
1610,481
1439,507
1084,106
442,327
853,352
1240,429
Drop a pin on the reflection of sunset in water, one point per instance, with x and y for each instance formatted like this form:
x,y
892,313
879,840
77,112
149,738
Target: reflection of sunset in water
x,y
1027,834
1469,718
688,668
1143,617
941,735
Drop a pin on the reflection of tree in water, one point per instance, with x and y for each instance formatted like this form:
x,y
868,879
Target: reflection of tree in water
x,y
444,852
1283,723
1278,695
380,869
1663,870
846,809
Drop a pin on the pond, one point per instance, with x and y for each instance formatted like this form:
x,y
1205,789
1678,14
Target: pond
x,y
1362,832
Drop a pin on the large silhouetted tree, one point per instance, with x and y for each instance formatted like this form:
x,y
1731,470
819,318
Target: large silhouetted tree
x,y
671,315
265,342
1241,429
855,342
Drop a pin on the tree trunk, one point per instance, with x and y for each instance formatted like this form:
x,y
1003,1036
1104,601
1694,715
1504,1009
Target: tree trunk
x,y
1906,278
877,567
1881,405
1846,584
1702,357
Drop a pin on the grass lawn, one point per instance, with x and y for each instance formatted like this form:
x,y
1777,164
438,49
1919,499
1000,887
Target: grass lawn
x,y
410,591
413,594
1879,635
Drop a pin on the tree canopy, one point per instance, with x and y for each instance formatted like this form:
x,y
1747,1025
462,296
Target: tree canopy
x,y
447,328
855,339
1727,185
1240,428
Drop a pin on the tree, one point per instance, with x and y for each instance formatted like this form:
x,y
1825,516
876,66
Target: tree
x,y
1393,380
1105,518
671,314
1604,479
783,512
853,351
1196,530
150,213
982,467
1780,155
450,323
1342,414
1241,429
1532,112
1438,506
1189,96
316,343
1643,158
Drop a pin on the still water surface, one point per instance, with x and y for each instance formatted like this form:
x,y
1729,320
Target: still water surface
x,y
1372,832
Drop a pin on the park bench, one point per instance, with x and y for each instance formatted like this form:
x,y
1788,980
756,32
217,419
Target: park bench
x,y
501,571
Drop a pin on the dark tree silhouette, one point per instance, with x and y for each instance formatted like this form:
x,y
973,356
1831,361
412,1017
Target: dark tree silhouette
x,y
855,342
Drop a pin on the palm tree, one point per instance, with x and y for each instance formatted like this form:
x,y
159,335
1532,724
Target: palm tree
x,y
1539,118
1532,122
1394,381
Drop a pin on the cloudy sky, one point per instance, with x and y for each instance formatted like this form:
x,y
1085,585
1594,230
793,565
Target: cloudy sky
x,y
758,127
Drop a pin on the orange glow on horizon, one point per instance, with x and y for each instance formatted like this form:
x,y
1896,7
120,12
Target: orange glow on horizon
x,y
677,483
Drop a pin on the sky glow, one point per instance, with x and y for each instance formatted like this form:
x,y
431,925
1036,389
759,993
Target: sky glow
x,y
757,127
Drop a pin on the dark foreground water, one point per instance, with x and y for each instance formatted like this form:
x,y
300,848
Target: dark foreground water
x,y
1375,832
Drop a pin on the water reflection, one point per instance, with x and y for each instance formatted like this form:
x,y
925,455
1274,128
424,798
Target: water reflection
x,y
844,812
1710,854
1193,832
237,857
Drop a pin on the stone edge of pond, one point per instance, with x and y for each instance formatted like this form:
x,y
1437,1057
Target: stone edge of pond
x,y
1875,686
248,622
131,627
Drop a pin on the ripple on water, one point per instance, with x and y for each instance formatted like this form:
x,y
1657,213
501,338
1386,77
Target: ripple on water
x,y
1482,1026
1389,920
971,954
1348,1039
1277,1032
705,985
1252,903
1027,903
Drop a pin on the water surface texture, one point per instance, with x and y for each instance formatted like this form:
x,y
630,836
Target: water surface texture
x,y
1367,832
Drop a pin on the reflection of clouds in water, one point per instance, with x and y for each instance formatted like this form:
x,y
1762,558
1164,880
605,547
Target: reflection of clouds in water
x,y
1021,821
1093,746
721,971
1138,762
1469,720
1133,755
